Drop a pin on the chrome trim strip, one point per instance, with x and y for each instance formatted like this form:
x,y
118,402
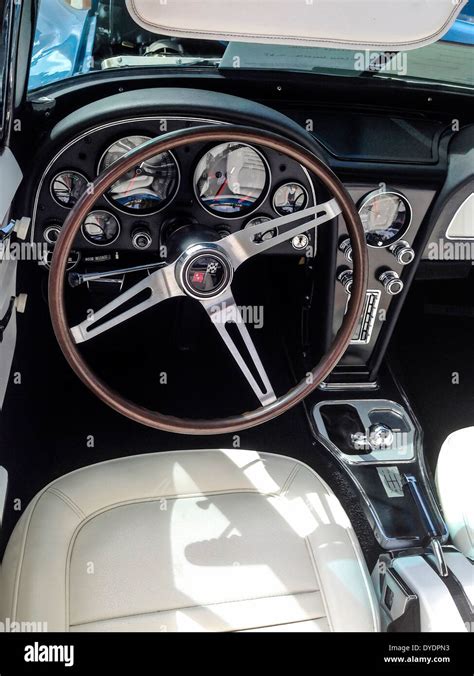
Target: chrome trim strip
x,y
337,387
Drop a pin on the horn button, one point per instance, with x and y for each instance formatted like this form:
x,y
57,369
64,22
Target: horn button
x,y
205,273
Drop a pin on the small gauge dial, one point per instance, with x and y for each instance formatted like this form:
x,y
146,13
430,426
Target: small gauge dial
x,y
386,217
258,220
101,228
289,198
147,188
67,187
230,179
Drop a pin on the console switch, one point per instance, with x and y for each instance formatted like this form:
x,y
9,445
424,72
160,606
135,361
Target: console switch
x,y
403,252
392,283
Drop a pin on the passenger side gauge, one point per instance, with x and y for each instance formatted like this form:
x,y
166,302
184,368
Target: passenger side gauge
x,y
147,188
67,187
289,198
101,228
386,216
230,179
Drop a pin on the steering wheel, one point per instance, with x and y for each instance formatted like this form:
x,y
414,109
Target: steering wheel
x,y
219,259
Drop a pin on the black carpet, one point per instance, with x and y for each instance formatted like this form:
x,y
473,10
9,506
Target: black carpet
x,y
432,353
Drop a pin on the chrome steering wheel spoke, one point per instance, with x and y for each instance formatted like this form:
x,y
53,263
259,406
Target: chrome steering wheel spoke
x,y
251,241
224,311
160,284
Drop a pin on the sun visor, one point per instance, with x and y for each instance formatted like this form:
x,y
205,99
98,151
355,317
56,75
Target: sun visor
x,y
344,24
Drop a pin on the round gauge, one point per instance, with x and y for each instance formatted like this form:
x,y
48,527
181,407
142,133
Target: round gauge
x,y
386,216
258,220
147,188
230,179
67,187
289,198
101,228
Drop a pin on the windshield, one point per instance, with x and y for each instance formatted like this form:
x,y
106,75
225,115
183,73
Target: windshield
x,y
74,37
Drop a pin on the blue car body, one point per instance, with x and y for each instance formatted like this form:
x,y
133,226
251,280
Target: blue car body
x,y
63,43
462,30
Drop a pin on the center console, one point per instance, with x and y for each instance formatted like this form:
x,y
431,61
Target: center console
x,y
377,442
422,584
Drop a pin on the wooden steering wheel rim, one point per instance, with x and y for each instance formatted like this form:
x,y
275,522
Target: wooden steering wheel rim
x,y
172,141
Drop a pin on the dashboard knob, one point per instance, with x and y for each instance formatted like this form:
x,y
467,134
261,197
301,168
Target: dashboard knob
x,y
392,283
51,233
141,239
403,252
346,277
346,247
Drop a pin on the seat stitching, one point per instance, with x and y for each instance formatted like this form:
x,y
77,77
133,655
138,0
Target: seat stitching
x,y
290,479
201,605
69,501
18,572
312,558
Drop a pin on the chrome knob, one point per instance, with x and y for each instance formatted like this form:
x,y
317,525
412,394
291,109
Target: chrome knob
x,y
403,252
380,436
346,247
141,239
392,283
51,233
345,277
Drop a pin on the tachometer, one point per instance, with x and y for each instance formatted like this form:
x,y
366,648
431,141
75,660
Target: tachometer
x,y
386,216
67,187
101,228
147,188
231,178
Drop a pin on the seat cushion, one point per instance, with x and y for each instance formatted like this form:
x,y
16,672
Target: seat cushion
x,y
212,540
454,482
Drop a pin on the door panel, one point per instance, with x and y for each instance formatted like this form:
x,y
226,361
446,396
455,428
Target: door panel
x,y
10,179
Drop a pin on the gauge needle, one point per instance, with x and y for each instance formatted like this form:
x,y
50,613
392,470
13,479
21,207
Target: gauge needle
x,y
222,187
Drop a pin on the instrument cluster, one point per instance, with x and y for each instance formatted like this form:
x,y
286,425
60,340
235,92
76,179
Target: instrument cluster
x,y
226,186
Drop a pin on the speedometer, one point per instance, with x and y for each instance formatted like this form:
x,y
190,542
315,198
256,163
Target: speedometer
x,y
231,179
147,188
386,216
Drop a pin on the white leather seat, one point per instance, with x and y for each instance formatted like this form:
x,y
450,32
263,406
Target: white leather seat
x,y
454,476
196,540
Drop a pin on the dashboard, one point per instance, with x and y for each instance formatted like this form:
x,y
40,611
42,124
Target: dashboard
x,y
224,187
227,187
